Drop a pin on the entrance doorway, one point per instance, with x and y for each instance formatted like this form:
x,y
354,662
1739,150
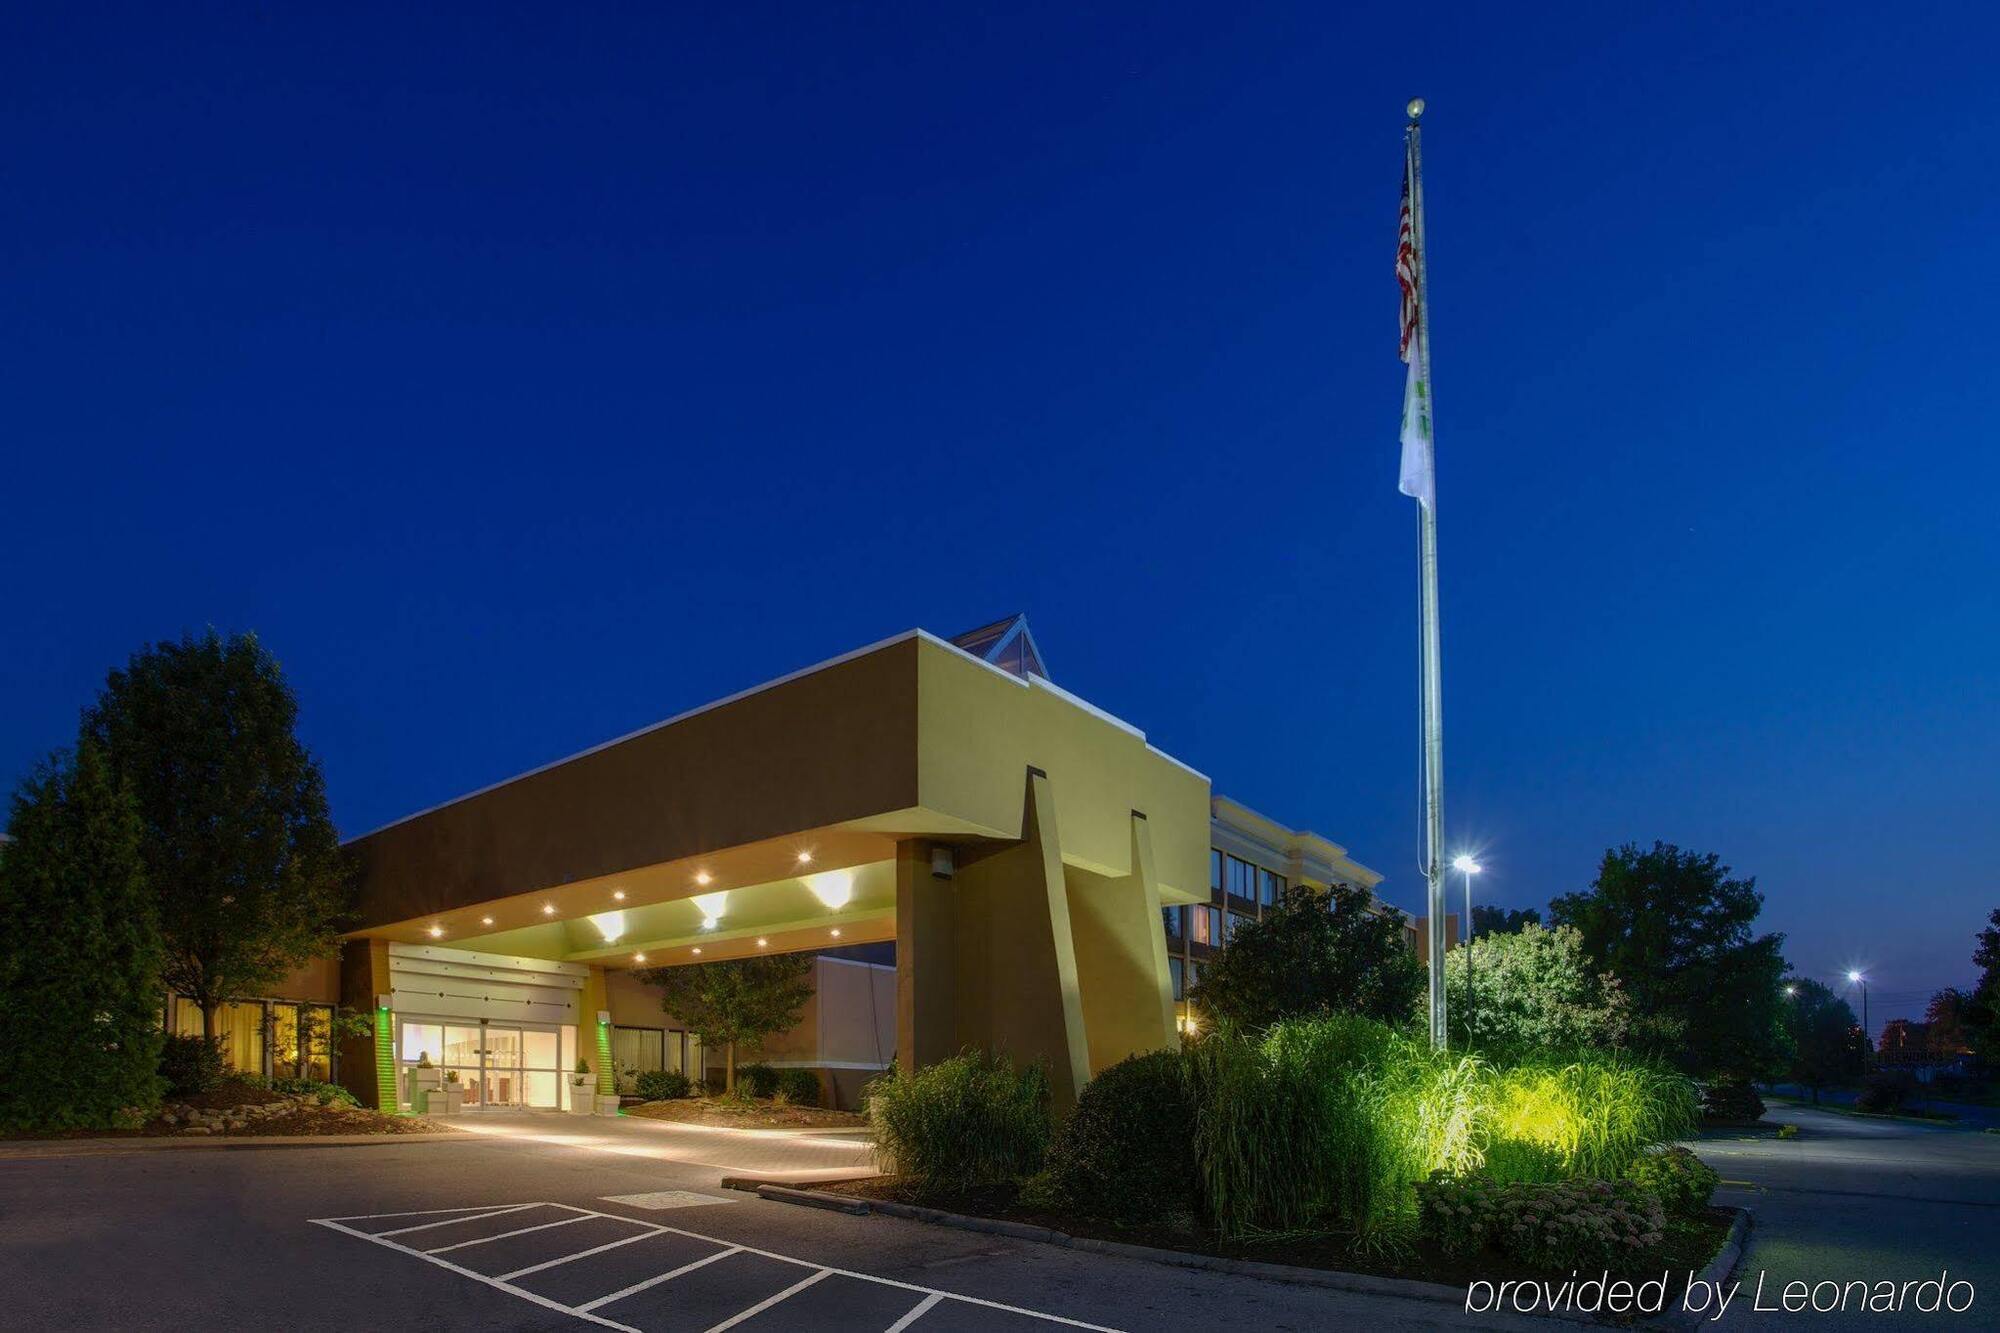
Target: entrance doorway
x,y
500,1066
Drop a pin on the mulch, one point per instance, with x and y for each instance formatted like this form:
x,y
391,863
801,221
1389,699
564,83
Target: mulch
x,y
723,1112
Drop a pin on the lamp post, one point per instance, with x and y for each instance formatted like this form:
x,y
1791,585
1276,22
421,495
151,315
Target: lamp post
x,y
1855,978
1468,867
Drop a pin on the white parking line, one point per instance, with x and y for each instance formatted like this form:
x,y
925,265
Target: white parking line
x,y
426,1226
768,1302
587,1310
658,1278
483,1240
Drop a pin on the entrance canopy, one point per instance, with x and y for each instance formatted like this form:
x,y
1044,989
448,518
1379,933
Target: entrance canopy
x,y
769,821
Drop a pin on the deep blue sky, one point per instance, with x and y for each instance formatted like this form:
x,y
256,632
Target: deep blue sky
x,y
523,379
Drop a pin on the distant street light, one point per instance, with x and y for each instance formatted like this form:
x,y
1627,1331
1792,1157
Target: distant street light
x,y
1468,867
1791,992
1856,978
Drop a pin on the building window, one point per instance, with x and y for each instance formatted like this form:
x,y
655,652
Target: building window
x,y
1180,982
1172,917
1237,921
1207,925
1214,870
1242,879
1270,887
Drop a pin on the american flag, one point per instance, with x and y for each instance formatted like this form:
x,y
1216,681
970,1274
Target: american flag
x,y
1406,263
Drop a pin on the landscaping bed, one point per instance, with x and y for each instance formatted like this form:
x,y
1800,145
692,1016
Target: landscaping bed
x,y
1687,1244
733,1113
238,1109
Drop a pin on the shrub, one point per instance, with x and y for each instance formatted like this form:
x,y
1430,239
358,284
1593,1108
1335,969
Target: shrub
x,y
1557,1227
660,1085
1458,1212
1683,1182
1792,1131
1589,1117
190,1065
969,1121
757,1080
1576,1224
1731,1100
1886,1091
800,1087
327,1094
1123,1153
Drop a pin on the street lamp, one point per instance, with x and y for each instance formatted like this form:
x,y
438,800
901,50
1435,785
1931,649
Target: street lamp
x,y
1858,978
1468,867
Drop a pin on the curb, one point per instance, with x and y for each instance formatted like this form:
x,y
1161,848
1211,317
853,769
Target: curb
x,y
1366,1284
21,1149
1719,1269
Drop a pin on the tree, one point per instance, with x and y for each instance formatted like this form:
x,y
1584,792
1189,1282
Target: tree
x,y
238,847
80,955
1827,1045
1535,990
743,1000
1675,930
1502,921
1314,952
1981,1017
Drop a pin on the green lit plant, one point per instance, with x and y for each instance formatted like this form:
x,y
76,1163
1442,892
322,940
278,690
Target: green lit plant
x,y
970,1121
1683,1182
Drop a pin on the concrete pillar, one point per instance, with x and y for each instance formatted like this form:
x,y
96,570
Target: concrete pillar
x,y
926,960
593,1039
1121,957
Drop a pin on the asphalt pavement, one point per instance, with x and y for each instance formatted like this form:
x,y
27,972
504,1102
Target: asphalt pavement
x,y
1862,1200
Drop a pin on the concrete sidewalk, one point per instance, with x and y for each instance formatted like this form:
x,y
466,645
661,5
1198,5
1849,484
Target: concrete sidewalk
x,y
762,1154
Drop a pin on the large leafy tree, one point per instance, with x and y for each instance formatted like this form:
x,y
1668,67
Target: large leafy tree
x,y
1981,1014
239,850
1828,1048
1490,920
79,954
1314,952
743,1000
1676,930
1536,990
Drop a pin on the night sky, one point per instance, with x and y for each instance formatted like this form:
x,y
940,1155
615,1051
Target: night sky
x,y
524,378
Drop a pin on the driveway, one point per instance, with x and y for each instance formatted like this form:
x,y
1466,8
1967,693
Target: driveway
x,y
1863,1200
538,1223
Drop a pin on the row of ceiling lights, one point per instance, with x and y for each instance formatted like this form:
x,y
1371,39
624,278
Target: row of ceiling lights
x,y
708,922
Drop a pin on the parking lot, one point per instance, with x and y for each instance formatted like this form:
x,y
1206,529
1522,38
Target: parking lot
x,y
618,1271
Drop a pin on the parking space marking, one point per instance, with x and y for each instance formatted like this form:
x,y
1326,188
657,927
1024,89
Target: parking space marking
x,y
922,1309
931,1297
770,1301
482,1240
426,1226
580,1254
660,1199
658,1278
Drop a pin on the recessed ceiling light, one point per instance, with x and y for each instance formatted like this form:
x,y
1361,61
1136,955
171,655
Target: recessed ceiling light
x,y
619,894
638,958
697,948
763,943
836,932
702,877
805,858
548,909
485,920
436,931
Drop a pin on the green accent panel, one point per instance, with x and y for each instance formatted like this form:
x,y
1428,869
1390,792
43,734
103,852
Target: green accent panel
x,y
385,1063
607,1084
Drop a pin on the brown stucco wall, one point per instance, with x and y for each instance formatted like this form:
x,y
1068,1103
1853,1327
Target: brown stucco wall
x,y
835,745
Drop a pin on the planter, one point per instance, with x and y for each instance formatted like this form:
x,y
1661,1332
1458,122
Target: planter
x,y
448,1100
607,1104
421,1082
582,1101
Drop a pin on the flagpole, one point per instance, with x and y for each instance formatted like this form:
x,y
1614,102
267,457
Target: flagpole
x,y
1431,690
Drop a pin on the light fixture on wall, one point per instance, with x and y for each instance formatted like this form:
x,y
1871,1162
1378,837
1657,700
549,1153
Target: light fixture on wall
x,y
834,888
711,906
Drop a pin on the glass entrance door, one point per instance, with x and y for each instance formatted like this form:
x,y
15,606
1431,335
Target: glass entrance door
x,y
503,1067
461,1051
